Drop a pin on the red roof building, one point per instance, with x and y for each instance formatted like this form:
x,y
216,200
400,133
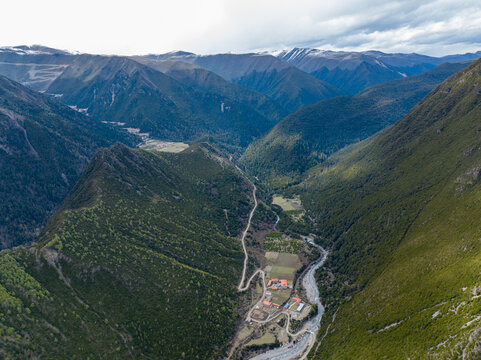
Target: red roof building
x,y
283,282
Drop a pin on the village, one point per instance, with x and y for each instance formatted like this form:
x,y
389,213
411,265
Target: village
x,y
276,300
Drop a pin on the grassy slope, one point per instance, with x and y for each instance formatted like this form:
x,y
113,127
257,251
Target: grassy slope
x,y
44,146
307,136
137,264
400,213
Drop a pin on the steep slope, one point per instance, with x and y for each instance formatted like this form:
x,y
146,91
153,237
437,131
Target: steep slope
x,y
309,135
354,71
283,83
123,90
137,264
400,213
33,66
44,146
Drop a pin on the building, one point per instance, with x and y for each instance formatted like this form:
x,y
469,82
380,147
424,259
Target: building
x,y
267,303
277,284
296,299
300,307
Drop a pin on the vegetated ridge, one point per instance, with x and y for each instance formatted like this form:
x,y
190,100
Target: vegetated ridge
x,y
400,214
138,263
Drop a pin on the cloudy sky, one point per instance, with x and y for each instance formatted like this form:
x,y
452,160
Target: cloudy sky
x,y
434,27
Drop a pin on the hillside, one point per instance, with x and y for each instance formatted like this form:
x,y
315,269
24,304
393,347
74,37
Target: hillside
x,y
44,146
123,90
307,136
137,264
288,86
399,212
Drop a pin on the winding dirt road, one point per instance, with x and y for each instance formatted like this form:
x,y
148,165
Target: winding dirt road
x,y
243,239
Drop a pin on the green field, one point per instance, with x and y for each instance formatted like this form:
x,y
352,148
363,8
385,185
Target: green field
x,y
284,265
287,204
275,242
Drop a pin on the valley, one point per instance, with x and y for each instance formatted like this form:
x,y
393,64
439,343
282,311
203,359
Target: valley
x,y
271,314
292,204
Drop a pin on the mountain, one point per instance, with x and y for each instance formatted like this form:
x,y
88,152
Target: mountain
x,y
44,146
307,136
123,90
174,102
400,215
354,71
416,63
202,79
283,83
138,263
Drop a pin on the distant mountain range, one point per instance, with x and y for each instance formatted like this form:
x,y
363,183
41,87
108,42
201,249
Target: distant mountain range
x,y
120,89
355,71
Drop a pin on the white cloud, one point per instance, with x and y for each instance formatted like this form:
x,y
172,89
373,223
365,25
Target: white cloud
x,y
207,26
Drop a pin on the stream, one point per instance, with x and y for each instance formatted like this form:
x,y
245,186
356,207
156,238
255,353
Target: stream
x,y
277,221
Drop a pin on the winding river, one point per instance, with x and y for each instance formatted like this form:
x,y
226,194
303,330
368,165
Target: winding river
x,y
298,347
